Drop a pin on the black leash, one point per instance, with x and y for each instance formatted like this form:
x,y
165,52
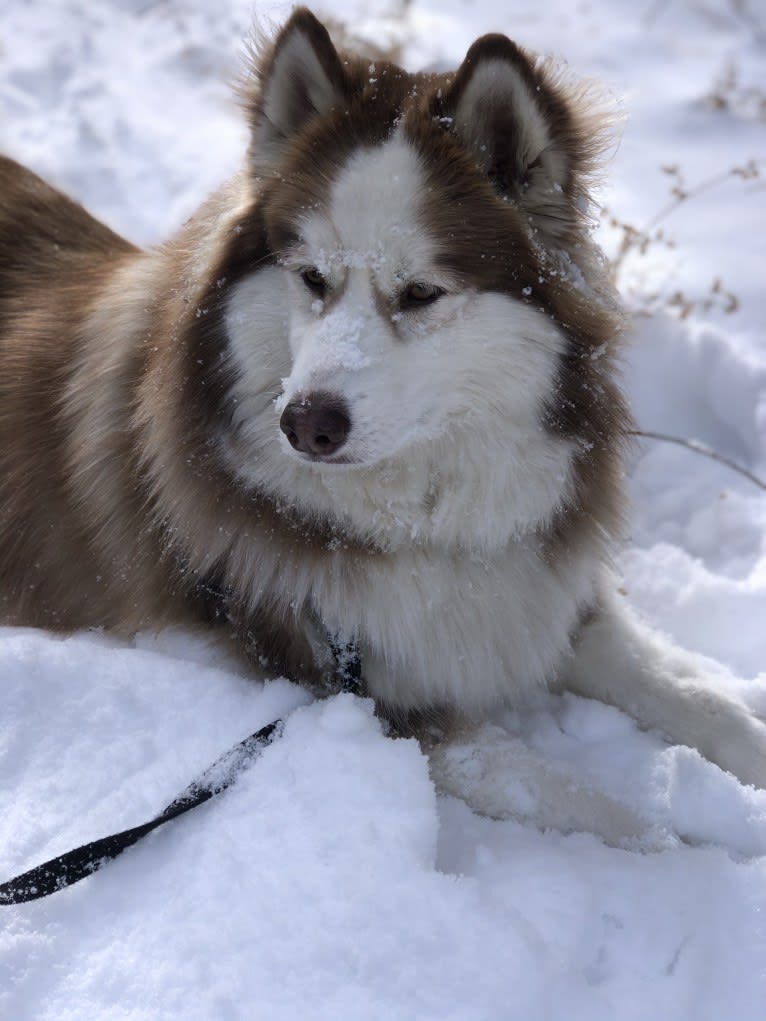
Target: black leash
x,y
81,862
75,865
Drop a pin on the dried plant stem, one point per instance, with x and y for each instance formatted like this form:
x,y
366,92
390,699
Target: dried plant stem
x,y
700,448
681,195
639,239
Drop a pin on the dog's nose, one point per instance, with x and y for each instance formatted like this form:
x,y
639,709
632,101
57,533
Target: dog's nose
x,y
317,423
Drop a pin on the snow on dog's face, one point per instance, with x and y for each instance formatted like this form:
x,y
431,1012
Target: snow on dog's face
x,y
390,342
370,311
425,293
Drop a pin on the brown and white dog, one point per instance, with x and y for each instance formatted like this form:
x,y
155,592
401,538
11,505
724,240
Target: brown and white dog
x,y
365,395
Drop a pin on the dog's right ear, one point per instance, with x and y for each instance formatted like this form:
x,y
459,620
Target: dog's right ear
x,y
300,78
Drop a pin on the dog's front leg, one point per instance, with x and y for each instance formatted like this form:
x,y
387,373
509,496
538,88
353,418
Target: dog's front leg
x,y
500,776
623,662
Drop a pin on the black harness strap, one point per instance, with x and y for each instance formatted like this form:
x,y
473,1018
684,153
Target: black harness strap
x,y
348,665
75,865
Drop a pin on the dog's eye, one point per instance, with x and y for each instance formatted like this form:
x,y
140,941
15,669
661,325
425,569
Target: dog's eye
x,y
314,280
419,293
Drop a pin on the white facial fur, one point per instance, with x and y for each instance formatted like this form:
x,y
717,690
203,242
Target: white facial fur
x,y
446,442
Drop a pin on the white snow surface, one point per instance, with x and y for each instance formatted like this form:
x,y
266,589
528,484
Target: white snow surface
x,y
331,881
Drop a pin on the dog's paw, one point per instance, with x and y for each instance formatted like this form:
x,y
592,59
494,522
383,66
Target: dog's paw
x,y
736,741
499,776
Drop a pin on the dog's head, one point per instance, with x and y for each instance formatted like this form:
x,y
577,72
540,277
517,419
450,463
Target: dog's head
x,y
427,292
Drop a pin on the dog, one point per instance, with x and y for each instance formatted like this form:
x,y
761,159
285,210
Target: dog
x,y
365,400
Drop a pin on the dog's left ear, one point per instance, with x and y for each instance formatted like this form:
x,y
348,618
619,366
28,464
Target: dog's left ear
x,y
300,78
524,135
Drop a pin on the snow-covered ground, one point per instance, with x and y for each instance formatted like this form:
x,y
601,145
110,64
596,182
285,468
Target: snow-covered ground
x,y
331,881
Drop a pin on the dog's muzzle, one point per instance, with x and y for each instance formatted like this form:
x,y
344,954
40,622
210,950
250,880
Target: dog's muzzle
x,y
316,424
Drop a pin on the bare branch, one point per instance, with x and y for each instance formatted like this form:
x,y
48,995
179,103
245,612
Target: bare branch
x,y
700,448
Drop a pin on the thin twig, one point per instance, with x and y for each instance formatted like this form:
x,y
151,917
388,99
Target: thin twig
x,y
684,195
641,238
700,448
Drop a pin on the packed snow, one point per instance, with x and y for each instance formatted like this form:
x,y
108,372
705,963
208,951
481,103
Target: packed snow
x,y
332,881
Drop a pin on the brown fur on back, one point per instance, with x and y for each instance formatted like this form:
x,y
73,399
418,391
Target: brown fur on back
x,y
53,257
